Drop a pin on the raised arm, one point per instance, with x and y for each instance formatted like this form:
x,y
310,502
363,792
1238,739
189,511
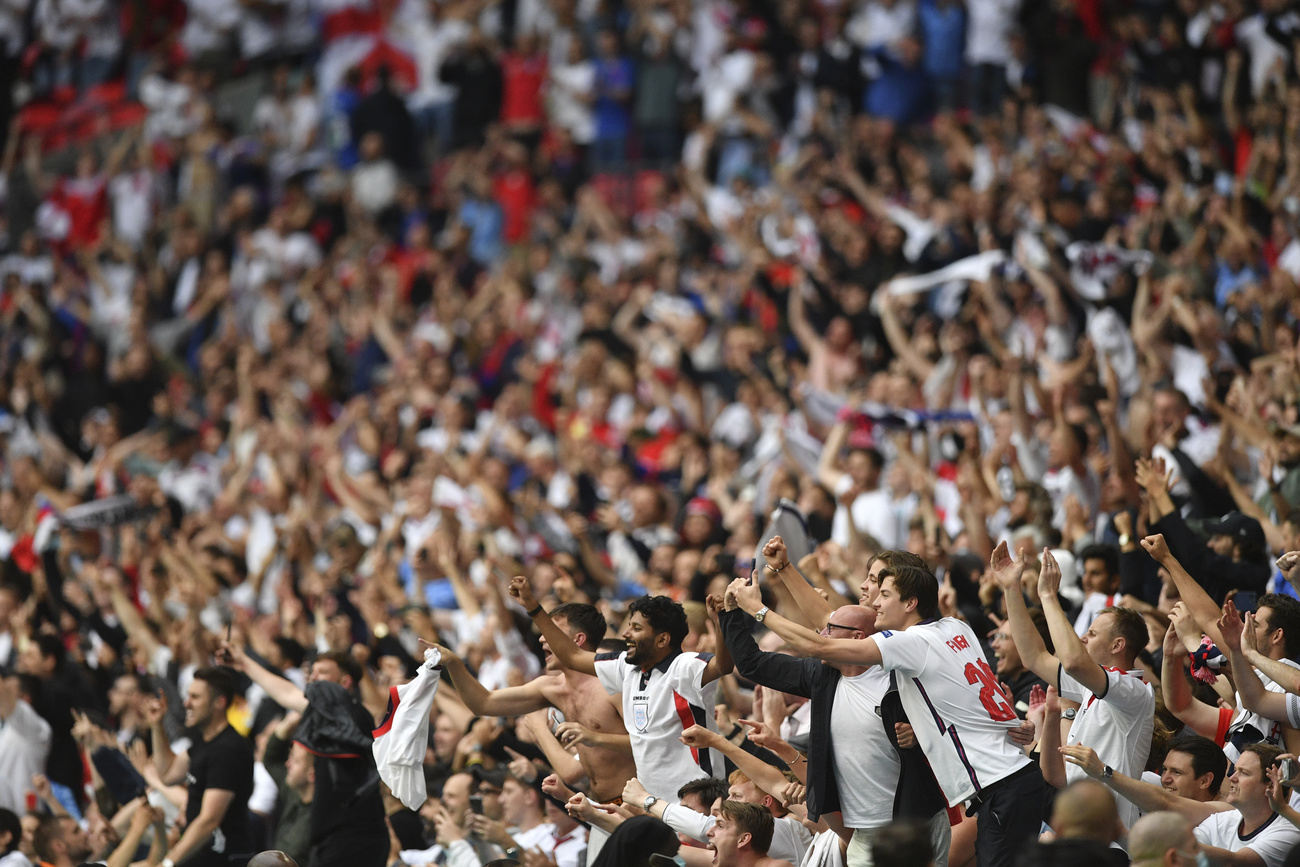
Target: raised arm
x,y
511,701
1029,643
1147,796
1069,648
1237,637
816,609
1202,718
570,655
1193,595
721,663
766,777
800,638
280,690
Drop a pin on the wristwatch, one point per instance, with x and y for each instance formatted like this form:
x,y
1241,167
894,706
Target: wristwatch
x,y
1124,540
650,801
513,853
761,613
1107,772
1070,712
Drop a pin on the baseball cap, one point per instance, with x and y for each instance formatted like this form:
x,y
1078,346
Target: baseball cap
x,y
1241,528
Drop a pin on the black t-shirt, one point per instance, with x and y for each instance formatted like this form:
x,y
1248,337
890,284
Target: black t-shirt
x,y
225,762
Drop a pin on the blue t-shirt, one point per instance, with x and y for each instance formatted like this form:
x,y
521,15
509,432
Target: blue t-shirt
x,y
613,77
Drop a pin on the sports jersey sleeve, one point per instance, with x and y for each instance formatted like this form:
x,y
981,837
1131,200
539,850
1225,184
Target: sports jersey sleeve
x,y
688,676
1069,688
902,651
686,821
1293,709
1128,694
612,668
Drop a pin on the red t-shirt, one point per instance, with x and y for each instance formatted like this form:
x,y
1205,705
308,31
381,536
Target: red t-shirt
x,y
515,192
521,88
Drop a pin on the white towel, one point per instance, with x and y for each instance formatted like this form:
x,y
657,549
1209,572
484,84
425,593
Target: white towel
x,y
401,742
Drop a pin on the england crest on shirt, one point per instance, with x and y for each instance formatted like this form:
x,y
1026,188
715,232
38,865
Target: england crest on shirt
x,y
641,713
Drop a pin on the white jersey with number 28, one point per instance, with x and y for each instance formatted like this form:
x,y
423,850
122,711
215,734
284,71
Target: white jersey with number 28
x,y
958,711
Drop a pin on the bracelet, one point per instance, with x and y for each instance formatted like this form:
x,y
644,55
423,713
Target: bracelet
x,y
534,612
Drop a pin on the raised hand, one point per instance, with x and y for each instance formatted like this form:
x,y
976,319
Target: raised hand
x,y
747,595
1157,547
1049,576
1005,570
775,554
1230,626
522,590
521,767
761,734
634,794
793,793
1248,634
1189,634
1288,561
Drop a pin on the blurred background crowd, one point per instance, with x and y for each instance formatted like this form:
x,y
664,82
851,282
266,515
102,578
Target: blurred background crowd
x,y
321,318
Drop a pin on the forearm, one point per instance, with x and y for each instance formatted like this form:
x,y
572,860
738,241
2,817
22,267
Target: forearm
x,y
765,776
163,757
1284,675
1049,752
568,768
196,834
569,654
124,854
1033,652
280,690
810,602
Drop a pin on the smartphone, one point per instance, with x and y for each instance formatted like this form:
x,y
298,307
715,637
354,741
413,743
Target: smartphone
x,y
745,569
476,804
1289,772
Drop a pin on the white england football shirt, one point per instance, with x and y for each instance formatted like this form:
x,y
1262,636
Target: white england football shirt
x,y
958,711
1116,724
1272,842
865,761
658,705
1243,726
1093,604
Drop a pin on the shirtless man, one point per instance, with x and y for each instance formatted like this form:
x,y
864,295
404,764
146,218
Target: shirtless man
x,y
604,748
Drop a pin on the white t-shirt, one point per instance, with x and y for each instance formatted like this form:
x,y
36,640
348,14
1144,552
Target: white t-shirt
x,y
865,762
1272,842
658,705
958,712
988,30
1116,724
872,513
24,746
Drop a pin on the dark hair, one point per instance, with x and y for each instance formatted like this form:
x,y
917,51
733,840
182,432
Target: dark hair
x,y
753,820
219,681
1267,754
583,618
709,789
292,651
10,822
918,584
1286,617
49,830
873,454
51,646
1207,757
1108,554
663,615
1130,626
902,843
346,663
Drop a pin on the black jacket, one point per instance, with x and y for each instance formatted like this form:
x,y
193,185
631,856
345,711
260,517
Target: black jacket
x,y
1215,572
918,794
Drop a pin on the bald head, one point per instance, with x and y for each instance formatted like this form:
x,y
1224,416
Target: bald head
x,y
1085,810
272,858
1156,833
853,617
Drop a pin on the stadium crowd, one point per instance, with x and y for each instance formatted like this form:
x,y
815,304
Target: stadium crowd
x,y
566,432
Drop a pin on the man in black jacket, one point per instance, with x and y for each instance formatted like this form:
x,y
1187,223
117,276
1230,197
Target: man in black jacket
x,y
1234,558
855,764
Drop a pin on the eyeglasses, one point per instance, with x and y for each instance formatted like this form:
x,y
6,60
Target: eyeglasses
x,y
838,626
